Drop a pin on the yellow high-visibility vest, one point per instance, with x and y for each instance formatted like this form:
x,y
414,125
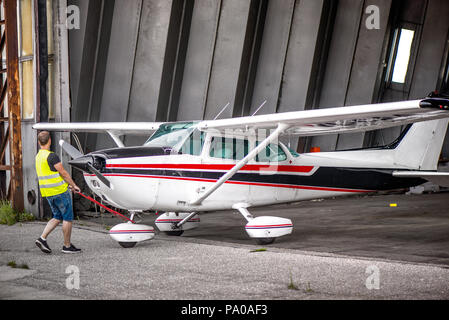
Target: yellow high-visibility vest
x,y
50,182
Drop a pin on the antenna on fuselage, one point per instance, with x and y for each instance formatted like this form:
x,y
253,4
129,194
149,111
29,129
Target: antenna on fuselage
x,y
227,105
260,107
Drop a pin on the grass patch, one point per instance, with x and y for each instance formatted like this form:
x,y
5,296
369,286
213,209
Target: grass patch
x,y
9,216
14,265
25,216
308,288
259,250
292,285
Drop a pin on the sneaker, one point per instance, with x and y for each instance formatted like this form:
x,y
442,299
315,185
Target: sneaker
x,y
71,249
42,244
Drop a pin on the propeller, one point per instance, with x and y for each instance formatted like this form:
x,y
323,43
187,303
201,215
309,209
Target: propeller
x,y
99,175
83,162
71,150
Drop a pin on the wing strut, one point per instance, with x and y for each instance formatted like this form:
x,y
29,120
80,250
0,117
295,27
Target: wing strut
x,y
275,134
116,139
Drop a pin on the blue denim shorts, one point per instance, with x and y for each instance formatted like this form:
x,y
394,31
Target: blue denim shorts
x,y
61,206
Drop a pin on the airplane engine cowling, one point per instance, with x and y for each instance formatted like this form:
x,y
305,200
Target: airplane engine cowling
x,y
268,227
166,222
131,232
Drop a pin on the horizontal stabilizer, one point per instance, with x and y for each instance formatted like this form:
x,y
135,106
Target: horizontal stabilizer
x,y
439,178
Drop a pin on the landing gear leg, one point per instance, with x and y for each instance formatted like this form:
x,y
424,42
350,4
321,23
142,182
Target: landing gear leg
x,y
175,223
178,225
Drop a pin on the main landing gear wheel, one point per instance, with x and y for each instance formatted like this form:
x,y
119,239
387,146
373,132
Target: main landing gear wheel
x,y
264,241
176,233
127,244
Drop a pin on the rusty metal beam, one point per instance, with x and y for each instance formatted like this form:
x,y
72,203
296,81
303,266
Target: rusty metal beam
x,y
4,137
14,114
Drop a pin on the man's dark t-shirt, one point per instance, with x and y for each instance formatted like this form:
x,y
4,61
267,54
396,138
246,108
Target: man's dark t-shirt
x,y
52,160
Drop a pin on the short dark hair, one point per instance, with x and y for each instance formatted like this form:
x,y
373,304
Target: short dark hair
x,y
43,137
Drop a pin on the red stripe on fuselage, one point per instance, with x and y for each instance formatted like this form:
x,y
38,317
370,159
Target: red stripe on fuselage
x,y
260,184
223,167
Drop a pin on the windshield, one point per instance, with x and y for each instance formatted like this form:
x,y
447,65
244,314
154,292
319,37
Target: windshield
x,y
170,135
293,153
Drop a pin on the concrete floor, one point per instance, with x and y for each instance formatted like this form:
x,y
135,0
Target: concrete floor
x,y
416,230
335,246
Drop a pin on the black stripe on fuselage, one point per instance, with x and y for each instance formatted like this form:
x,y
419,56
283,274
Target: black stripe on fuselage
x,y
329,177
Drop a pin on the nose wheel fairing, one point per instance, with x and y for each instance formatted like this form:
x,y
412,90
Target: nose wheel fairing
x,y
128,234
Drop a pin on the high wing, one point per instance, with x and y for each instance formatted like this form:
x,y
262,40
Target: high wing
x,y
302,123
114,129
339,120
117,128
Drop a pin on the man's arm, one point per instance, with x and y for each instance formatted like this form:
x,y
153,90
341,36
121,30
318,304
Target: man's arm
x,y
66,176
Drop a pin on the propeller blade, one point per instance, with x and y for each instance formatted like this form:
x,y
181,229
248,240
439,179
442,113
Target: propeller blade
x,y
82,162
99,175
71,150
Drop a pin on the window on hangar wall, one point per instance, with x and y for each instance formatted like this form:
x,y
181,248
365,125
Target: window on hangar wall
x,y
403,54
400,60
27,53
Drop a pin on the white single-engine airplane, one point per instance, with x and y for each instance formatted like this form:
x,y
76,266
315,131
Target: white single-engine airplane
x,y
185,168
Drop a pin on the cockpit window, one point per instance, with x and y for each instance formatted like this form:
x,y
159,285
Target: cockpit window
x,y
194,144
272,153
229,148
170,135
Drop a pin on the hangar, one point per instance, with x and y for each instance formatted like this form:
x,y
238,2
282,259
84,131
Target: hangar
x,y
159,60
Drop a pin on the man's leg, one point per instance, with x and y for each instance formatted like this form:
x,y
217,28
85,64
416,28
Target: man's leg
x,y
42,241
51,225
67,224
67,231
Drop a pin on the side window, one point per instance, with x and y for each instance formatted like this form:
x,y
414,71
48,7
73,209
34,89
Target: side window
x,y
229,148
194,144
272,153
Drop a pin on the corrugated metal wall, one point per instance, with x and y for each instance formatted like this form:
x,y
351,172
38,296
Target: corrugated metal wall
x,y
162,60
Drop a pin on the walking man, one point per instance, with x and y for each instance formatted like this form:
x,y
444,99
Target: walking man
x,y
54,182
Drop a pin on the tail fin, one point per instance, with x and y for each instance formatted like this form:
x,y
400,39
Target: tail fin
x,y
420,149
